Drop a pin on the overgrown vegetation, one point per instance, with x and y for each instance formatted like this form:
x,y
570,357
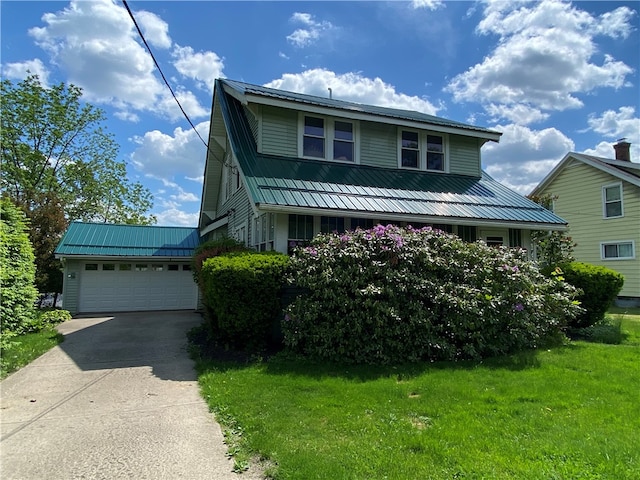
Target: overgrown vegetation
x,y
390,295
17,270
567,412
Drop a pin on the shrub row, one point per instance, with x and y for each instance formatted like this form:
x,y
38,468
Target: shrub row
x,y
241,293
388,295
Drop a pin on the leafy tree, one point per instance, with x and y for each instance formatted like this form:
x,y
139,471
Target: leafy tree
x,y
59,165
17,271
552,247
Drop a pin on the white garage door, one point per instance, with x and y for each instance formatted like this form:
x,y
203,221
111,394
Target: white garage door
x,y
136,286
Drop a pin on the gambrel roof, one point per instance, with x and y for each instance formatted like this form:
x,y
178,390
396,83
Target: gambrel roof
x,y
296,185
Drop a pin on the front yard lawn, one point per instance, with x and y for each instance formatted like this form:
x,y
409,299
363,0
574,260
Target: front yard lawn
x,y
26,348
565,413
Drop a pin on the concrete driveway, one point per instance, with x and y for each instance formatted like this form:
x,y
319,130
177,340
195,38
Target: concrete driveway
x,y
117,399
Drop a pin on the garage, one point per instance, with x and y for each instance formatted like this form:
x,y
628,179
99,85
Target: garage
x,y
117,268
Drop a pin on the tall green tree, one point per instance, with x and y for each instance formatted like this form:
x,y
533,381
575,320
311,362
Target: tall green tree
x,y
60,165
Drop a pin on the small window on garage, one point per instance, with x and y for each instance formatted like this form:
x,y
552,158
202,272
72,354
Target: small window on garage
x,y
91,266
186,268
173,267
156,267
109,267
142,267
124,267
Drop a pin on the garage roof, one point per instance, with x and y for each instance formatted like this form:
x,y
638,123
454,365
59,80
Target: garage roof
x,y
103,239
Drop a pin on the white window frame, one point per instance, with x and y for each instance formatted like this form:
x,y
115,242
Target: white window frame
x,y
422,149
264,238
617,243
604,200
329,138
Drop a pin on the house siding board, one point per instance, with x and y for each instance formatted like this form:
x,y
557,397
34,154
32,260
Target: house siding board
x,y
279,132
70,286
378,145
464,156
579,191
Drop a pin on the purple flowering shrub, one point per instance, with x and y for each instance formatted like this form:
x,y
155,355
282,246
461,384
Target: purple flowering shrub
x,y
388,295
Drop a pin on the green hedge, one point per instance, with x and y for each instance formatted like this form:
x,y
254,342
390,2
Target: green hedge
x,y
241,289
390,295
599,288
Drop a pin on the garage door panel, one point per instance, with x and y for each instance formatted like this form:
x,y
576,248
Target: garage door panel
x,y
123,289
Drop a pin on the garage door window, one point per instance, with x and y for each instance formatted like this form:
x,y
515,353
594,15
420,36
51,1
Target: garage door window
x,y
124,267
109,267
141,267
173,267
186,268
91,266
156,268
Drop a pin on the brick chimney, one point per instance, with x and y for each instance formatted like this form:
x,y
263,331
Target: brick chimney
x,y
622,150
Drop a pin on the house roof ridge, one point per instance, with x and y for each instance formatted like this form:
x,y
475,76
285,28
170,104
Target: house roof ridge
x,y
370,109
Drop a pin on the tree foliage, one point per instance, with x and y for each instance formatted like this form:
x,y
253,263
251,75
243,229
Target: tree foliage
x,y
60,165
17,270
552,247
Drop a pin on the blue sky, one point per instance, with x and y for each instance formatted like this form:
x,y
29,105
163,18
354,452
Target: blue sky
x,y
552,76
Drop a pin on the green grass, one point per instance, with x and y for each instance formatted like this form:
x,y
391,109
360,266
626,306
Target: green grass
x,y
26,348
572,412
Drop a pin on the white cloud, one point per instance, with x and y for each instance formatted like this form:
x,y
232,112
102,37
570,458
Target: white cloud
x,y
20,70
310,31
351,87
524,156
521,114
203,67
154,29
176,217
622,123
428,4
98,47
160,155
544,57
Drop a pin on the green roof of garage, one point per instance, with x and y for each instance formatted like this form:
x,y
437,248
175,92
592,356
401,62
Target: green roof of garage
x,y
293,184
103,239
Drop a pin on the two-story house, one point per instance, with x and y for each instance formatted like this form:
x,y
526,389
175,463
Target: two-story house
x,y
282,167
600,198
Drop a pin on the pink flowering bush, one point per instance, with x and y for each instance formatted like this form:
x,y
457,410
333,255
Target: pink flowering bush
x,y
389,295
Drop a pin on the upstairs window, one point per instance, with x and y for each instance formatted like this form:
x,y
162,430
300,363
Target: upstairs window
x,y
328,139
612,201
421,151
618,250
314,137
410,154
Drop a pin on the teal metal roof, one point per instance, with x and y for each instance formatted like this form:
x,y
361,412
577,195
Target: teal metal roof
x,y
281,182
249,89
105,239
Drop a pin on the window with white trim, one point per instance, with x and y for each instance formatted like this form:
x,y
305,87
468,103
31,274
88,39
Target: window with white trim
x,y
617,250
328,138
612,201
421,150
265,232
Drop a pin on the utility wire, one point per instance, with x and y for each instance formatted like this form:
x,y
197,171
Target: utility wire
x,y
162,74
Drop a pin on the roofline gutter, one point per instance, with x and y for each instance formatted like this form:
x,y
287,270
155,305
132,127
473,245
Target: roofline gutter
x,y
410,218
121,258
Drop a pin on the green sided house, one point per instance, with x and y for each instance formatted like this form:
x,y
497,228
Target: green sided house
x,y
282,167
114,268
600,198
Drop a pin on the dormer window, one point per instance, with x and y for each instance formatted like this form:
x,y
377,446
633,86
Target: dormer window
x,y
421,151
328,138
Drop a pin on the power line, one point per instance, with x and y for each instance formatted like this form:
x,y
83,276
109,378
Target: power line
x,y
163,77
